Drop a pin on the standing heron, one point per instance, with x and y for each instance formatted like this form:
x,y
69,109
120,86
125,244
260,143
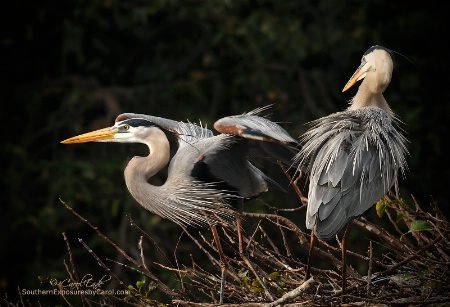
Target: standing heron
x,y
207,173
353,156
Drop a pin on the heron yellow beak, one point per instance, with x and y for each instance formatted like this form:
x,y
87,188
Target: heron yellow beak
x,y
356,76
93,136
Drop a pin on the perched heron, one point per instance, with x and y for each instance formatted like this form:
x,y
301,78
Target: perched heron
x,y
207,173
353,156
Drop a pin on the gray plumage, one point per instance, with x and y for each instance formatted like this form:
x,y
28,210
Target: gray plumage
x,y
353,157
270,140
206,173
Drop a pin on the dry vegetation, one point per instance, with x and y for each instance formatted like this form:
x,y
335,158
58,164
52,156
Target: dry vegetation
x,y
411,269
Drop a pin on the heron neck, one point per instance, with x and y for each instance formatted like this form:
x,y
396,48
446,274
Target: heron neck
x,y
140,169
366,98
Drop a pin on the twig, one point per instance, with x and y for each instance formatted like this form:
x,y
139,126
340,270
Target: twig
x,y
409,301
73,276
393,223
289,296
285,243
267,257
176,261
302,198
160,284
408,219
142,253
294,228
69,251
20,296
260,281
377,301
301,236
126,266
274,248
415,255
369,271
101,263
210,256
193,304
171,269
250,239
155,244
363,223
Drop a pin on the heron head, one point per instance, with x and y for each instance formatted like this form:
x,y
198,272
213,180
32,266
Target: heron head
x,y
376,59
132,130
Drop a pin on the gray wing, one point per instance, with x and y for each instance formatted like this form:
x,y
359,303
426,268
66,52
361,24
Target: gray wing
x,y
271,139
223,160
354,158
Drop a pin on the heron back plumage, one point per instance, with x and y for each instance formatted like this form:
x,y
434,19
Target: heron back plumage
x,y
353,158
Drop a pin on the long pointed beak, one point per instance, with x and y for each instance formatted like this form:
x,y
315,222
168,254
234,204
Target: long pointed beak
x,y
356,76
93,136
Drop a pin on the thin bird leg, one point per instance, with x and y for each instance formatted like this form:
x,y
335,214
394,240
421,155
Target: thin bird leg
x,y
239,229
243,253
311,247
344,253
222,263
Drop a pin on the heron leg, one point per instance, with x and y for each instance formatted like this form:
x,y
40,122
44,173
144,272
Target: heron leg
x,y
311,247
239,232
243,253
222,263
344,256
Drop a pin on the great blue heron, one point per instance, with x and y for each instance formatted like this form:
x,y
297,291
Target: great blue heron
x,y
353,156
206,173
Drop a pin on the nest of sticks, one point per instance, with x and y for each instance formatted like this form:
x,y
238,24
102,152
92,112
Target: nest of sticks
x,y
404,262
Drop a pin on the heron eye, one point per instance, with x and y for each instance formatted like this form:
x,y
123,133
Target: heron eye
x,y
126,127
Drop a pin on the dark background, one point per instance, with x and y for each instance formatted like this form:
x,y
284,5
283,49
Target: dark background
x,y
69,67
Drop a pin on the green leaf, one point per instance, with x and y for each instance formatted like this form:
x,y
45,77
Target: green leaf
x,y
273,275
419,225
242,274
381,207
256,286
139,284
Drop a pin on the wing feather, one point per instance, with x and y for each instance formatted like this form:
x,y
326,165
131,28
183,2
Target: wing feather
x,y
273,141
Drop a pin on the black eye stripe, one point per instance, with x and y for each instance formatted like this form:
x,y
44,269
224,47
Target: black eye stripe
x,y
137,122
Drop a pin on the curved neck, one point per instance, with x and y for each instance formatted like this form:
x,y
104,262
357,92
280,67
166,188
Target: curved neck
x,y
365,99
140,169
